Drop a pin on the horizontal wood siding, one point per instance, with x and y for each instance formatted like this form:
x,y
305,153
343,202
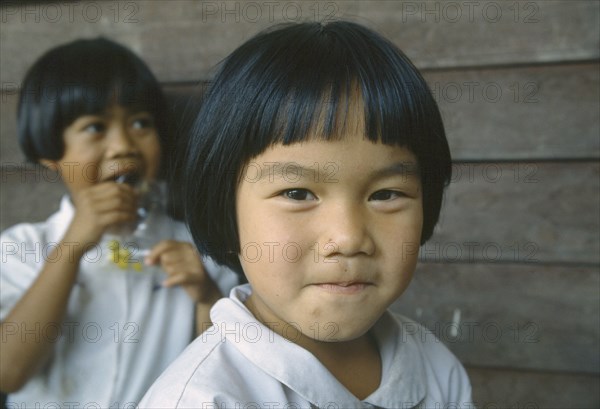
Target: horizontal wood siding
x,y
183,40
510,279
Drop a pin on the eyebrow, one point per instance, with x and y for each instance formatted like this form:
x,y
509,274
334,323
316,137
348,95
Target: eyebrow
x,y
269,171
404,168
294,171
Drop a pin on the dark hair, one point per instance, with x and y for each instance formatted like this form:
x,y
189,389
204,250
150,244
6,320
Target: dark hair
x,y
80,78
276,88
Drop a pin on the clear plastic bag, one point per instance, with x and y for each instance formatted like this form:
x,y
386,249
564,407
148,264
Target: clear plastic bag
x,y
127,245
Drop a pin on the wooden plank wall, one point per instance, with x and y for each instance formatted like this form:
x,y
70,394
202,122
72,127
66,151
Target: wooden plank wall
x,y
510,280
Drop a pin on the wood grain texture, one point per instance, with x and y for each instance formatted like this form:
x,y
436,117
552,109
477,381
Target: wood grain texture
x,y
184,40
510,279
521,113
529,316
179,99
521,213
493,213
496,388
29,194
518,113
9,146
533,317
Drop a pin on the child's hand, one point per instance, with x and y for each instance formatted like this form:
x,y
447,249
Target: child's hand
x,y
183,265
99,207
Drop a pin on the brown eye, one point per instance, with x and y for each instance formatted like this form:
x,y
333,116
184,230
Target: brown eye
x,y
143,122
95,128
298,194
386,195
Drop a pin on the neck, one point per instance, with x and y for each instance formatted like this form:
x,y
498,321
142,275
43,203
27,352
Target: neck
x,y
356,364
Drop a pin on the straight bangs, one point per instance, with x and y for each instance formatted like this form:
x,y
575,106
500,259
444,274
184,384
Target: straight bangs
x,y
304,90
298,82
118,85
84,77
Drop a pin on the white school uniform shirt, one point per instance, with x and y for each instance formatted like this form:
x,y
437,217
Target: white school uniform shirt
x,y
240,363
121,328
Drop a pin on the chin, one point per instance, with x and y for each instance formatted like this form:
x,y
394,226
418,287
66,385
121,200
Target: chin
x,y
335,331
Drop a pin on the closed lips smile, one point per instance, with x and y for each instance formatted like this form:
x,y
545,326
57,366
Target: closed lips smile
x,y
348,287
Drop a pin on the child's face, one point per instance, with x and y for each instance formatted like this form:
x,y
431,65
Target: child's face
x,y
100,147
329,235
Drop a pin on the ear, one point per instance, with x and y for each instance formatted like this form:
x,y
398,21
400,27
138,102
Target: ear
x,y
50,164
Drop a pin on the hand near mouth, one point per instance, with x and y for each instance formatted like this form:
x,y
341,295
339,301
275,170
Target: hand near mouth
x,y
99,207
130,178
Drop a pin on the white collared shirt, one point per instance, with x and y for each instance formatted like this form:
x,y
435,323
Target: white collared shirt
x,y
121,328
240,363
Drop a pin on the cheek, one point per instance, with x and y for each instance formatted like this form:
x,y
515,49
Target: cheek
x,y
245,220
412,224
261,245
268,254
404,228
152,155
84,152
82,166
400,242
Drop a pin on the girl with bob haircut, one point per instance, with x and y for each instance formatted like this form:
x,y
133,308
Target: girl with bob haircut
x,y
79,323
315,167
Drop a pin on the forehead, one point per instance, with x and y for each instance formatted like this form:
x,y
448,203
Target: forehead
x,y
353,159
331,129
351,147
117,108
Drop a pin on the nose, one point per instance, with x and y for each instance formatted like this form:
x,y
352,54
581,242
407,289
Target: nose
x,y
120,142
346,232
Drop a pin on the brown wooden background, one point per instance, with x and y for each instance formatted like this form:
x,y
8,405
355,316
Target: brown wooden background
x,y
510,281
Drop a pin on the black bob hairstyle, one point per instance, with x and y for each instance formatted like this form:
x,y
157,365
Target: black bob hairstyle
x,y
272,90
83,77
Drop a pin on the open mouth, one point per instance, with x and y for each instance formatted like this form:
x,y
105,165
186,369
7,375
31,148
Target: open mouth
x,y
130,175
130,178
125,170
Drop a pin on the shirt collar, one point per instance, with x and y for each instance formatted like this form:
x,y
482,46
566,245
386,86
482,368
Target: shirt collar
x,y
403,378
403,382
59,222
